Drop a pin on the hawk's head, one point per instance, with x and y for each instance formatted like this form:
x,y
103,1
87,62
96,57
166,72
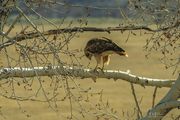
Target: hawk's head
x,y
88,55
122,53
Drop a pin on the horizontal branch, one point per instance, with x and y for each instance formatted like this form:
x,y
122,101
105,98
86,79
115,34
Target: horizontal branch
x,y
82,73
31,35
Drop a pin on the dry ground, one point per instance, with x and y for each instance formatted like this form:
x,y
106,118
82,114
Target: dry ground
x,y
117,93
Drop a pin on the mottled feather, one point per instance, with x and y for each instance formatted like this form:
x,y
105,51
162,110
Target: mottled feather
x,y
100,45
101,49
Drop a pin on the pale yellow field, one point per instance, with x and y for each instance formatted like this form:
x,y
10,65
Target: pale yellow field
x,y
118,93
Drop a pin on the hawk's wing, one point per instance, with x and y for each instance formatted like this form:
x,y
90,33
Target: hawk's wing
x,y
100,45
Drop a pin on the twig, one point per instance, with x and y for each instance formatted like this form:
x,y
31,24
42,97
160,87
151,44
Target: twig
x,y
39,15
70,99
27,98
14,22
154,96
136,101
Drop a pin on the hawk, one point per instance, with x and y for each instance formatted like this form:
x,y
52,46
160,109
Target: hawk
x,y
101,49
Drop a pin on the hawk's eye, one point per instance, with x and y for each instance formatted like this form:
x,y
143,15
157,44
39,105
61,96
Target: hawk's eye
x,y
88,56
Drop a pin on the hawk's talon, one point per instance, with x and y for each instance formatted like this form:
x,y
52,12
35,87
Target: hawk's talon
x,y
95,70
99,68
102,70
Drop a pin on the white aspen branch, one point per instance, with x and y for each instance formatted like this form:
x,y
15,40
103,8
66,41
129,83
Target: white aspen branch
x,y
82,73
166,104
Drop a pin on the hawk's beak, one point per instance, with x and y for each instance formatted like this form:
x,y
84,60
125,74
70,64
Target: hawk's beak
x,y
123,54
126,55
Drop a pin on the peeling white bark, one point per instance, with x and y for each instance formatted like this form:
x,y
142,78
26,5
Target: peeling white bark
x,y
169,102
82,73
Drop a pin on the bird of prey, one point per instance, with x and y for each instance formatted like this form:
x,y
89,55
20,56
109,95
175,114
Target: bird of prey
x,y
101,49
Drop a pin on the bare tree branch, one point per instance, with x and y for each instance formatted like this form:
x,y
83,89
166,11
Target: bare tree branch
x,y
82,73
30,35
154,96
166,104
139,112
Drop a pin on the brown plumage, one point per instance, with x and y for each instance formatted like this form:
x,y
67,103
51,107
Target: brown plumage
x,y
101,49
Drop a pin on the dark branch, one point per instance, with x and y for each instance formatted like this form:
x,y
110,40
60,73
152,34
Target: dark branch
x,y
30,35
